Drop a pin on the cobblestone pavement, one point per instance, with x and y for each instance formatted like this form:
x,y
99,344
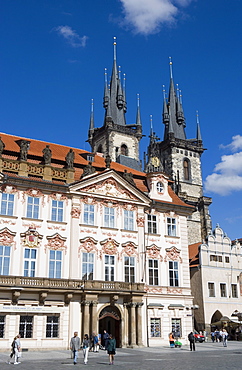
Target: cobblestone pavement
x,y
206,356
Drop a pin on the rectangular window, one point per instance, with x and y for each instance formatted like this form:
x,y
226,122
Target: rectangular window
x,y
55,264
26,326
52,327
173,273
7,204
155,328
211,290
128,220
234,291
129,269
223,292
88,214
226,259
152,224
87,266
109,268
2,326
215,258
176,328
108,217
4,259
171,226
57,210
153,272
33,207
29,262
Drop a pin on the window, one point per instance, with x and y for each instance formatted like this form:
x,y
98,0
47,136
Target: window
x,y
211,290
109,268
7,204
29,262
152,224
33,207
52,327
234,291
223,292
108,217
87,266
155,327
153,272
2,326
124,149
57,210
176,327
26,326
128,220
160,187
215,258
88,214
129,269
171,226
55,264
226,259
4,259
173,273
186,169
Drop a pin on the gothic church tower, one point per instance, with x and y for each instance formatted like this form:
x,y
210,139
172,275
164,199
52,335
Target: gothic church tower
x,y
116,138
180,158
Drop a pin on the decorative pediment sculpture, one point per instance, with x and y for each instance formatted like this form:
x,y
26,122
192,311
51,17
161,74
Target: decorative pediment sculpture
x,y
173,254
109,188
31,238
56,242
154,252
129,249
109,246
88,244
7,237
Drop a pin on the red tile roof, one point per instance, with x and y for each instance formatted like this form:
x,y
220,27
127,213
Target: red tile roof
x,y
194,254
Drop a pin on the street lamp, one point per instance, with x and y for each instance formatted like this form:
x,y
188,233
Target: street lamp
x,y
193,308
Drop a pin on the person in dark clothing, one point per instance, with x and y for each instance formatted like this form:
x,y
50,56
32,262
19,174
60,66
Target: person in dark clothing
x,y
111,348
191,339
105,338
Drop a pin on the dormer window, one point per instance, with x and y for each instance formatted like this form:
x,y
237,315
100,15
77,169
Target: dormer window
x,y
160,187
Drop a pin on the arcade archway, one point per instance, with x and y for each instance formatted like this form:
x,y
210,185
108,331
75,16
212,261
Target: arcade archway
x,y
110,320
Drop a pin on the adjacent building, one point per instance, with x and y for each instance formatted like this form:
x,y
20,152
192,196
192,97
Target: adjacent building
x,y
216,278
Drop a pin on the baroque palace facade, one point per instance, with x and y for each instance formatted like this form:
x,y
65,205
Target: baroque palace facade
x,y
90,242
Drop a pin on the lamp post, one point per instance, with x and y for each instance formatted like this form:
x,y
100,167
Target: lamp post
x,y
193,308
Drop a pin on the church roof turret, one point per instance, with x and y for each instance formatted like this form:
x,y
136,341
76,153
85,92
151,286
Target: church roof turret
x,y
91,125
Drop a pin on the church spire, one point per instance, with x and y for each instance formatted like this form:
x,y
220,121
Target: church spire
x,y
199,136
91,125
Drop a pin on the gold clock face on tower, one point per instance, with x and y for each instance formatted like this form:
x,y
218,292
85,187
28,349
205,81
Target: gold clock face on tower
x,y
155,161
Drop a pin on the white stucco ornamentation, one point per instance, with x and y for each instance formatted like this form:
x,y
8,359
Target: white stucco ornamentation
x,y
110,188
56,242
7,237
173,254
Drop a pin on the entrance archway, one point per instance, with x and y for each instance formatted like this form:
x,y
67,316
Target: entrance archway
x,y
110,320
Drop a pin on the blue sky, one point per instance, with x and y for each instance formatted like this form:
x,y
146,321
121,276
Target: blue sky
x,y
53,55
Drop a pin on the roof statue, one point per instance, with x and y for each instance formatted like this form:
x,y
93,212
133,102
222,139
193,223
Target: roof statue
x,y
70,158
47,153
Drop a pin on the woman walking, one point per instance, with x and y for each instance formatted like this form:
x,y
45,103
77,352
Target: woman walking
x,y
85,346
111,348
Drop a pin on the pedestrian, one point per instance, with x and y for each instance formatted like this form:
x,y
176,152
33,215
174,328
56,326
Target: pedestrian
x,y
95,342
12,349
85,347
191,339
212,336
224,337
105,338
17,350
171,340
75,345
111,348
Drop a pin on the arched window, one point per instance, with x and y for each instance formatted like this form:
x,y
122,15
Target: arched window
x,y
124,149
100,149
186,169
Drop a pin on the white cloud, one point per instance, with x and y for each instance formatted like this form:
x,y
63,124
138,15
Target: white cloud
x,y
227,174
71,36
147,16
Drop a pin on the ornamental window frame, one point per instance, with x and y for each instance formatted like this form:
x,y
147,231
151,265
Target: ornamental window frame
x,y
7,205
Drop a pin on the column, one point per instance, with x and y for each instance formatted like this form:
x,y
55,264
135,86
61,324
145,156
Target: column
x,y
133,324
94,317
139,323
86,317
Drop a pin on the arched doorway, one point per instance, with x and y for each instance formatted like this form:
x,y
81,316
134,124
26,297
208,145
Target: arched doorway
x,y
215,320
110,320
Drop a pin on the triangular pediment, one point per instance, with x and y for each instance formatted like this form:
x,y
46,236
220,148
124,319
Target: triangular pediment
x,y
109,184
